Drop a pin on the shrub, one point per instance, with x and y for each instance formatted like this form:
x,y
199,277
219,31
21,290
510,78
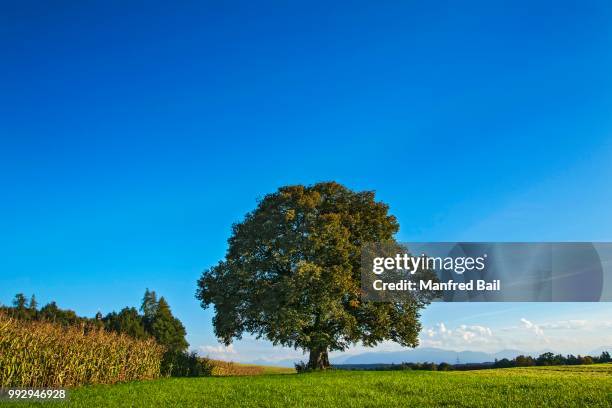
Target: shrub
x,y
302,367
445,367
41,354
182,364
524,361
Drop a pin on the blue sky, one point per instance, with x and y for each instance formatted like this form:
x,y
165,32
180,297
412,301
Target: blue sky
x,y
133,135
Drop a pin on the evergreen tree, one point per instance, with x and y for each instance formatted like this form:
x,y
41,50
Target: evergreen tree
x,y
149,308
168,330
20,311
33,304
19,301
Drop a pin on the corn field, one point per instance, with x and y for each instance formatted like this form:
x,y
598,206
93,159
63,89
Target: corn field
x,y
40,354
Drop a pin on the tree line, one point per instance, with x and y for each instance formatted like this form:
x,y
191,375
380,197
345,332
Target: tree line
x,y
551,359
545,359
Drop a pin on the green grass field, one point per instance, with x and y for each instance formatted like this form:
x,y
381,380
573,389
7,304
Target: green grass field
x,y
569,386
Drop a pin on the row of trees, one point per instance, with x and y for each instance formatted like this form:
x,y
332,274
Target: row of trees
x,y
551,359
155,320
28,310
423,366
546,359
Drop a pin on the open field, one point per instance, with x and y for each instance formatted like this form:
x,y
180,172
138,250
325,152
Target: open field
x,y
270,369
566,386
225,369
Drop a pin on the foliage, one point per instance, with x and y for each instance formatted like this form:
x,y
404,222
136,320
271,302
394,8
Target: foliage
x,y
524,361
49,313
52,313
167,329
156,321
182,364
551,359
445,367
422,366
42,354
148,308
301,367
127,321
292,274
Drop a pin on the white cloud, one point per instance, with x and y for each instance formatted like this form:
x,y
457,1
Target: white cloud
x,y
459,337
565,324
532,327
220,351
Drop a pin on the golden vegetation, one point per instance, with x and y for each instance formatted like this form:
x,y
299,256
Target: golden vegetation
x,y
227,368
40,354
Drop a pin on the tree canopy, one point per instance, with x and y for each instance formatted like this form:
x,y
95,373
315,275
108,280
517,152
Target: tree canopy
x,y
127,321
149,307
167,329
292,274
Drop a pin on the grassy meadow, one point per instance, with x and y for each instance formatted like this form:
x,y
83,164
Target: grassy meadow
x,y
559,386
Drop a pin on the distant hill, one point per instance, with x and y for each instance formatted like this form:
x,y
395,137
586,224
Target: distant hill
x,y
600,350
418,355
424,354
428,354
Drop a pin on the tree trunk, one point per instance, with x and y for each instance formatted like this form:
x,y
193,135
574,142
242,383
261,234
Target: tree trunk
x,y
318,360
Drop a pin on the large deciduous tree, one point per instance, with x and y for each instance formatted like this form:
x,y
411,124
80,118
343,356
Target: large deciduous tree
x,y
292,274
